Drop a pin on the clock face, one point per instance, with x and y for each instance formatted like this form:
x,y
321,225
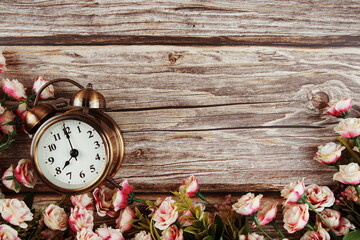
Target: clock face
x,y
70,154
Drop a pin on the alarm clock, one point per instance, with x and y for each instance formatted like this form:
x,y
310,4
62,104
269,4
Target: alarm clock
x,y
74,151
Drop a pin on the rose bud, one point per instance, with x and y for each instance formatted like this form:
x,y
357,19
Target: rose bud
x,y
48,92
125,220
348,174
121,197
55,217
12,183
21,110
340,225
247,204
24,173
172,233
350,194
166,214
6,117
184,218
87,234
329,153
104,201
251,236
293,192
320,234
190,186
7,232
81,218
13,89
83,200
142,236
109,233
295,217
349,127
339,108
320,196
267,212
15,212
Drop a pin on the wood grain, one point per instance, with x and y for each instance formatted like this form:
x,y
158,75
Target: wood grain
x,y
239,118
296,22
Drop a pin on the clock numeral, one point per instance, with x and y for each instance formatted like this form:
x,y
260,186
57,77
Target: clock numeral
x,y
52,147
69,174
97,144
78,127
57,136
97,157
58,170
67,129
92,168
90,134
82,174
51,160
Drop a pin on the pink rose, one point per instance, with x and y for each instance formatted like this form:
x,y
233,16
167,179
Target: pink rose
x,y
15,212
80,218
2,63
48,234
166,214
190,186
320,196
109,233
293,192
349,127
104,201
172,233
125,220
10,181
296,217
329,153
348,174
8,233
350,194
339,108
267,212
320,234
142,236
87,234
21,110
121,197
83,200
247,204
340,225
6,117
251,236
14,89
185,218
55,217
48,92
24,173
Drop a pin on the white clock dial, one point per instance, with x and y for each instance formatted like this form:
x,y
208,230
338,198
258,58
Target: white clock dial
x,y
71,154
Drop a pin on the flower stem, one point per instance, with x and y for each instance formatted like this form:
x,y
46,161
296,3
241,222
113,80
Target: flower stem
x,y
345,143
308,226
303,199
256,221
357,189
276,227
198,194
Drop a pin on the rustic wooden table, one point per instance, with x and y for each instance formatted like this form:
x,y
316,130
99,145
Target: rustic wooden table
x,y
218,89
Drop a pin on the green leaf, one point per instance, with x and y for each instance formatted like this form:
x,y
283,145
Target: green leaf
x,y
208,238
355,235
29,200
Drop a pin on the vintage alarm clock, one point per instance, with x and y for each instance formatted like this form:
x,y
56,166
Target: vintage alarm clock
x,y
76,150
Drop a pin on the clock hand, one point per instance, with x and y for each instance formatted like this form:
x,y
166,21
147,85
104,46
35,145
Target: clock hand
x,y
67,136
73,153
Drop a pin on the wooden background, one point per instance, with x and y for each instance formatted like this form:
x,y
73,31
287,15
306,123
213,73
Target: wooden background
x,y
218,89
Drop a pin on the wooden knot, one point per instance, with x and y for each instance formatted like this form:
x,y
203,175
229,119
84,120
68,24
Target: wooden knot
x,y
320,100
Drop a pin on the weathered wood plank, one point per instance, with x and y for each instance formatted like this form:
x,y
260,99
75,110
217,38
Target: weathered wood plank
x,y
237,117
187,22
